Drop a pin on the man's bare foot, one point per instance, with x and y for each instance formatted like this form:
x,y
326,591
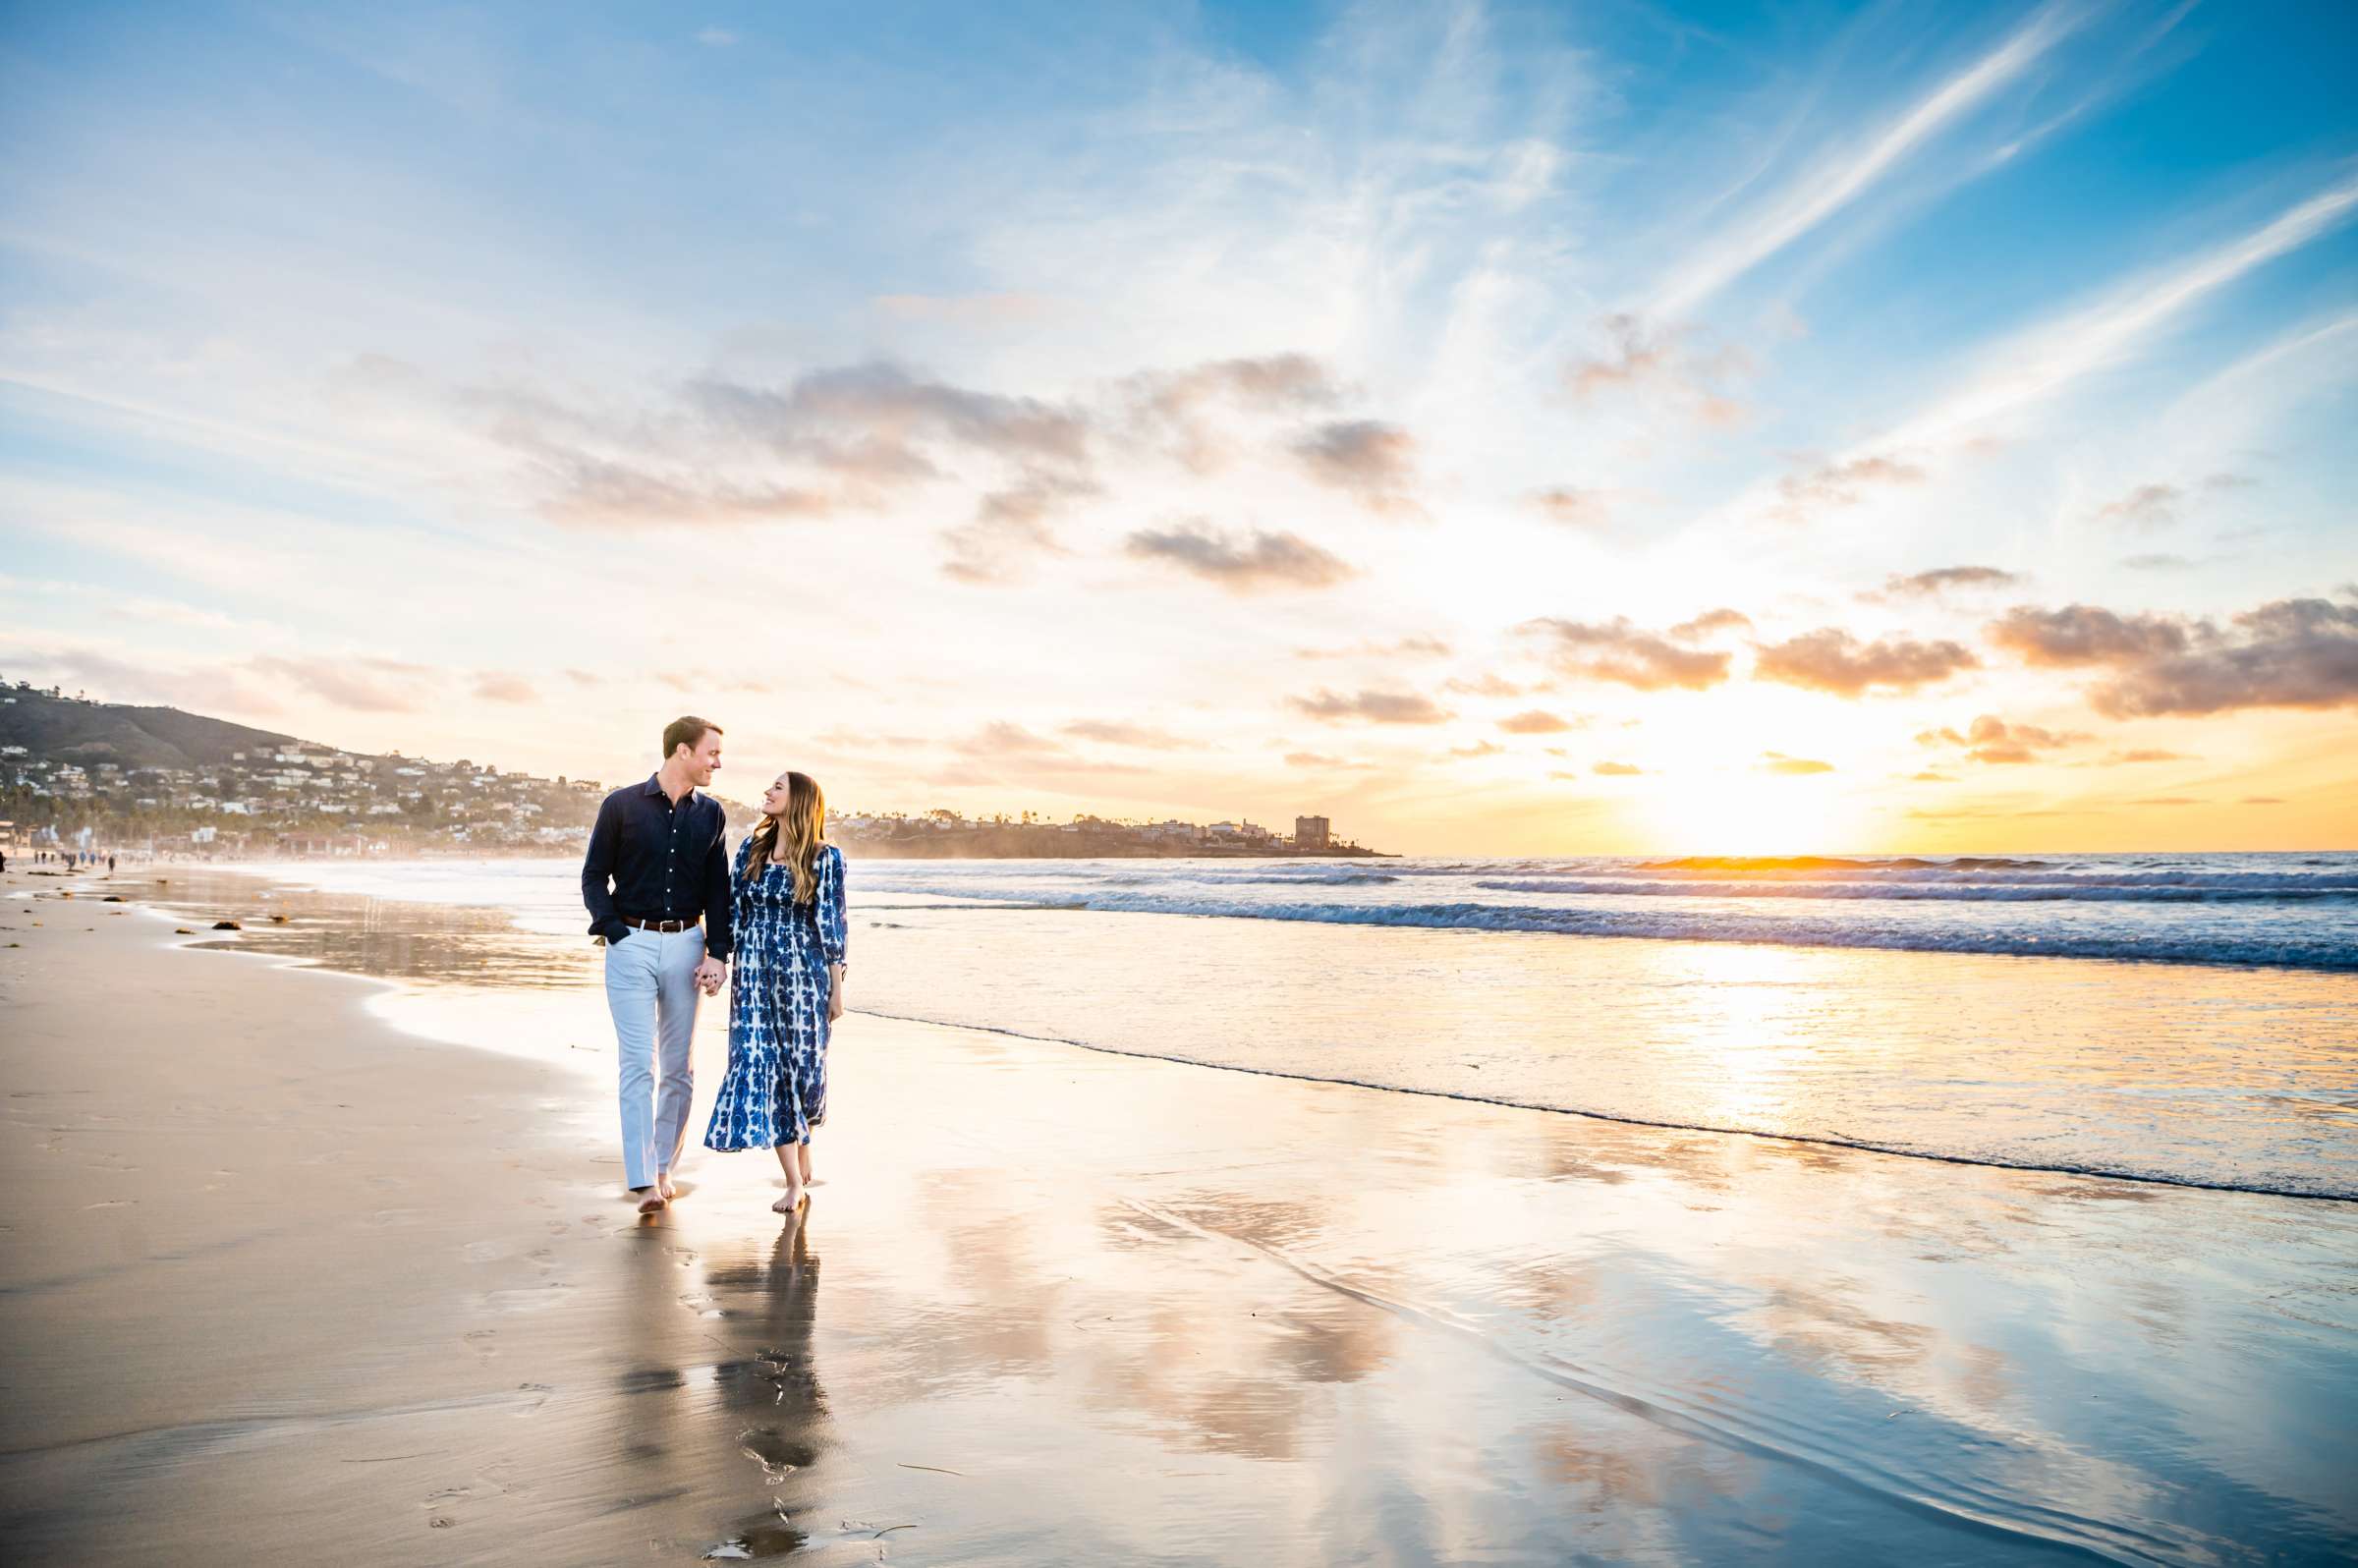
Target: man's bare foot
x,y
790,1202
650,1200
663,1185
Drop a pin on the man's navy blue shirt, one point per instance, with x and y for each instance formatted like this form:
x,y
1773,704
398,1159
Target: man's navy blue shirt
x,y
663,861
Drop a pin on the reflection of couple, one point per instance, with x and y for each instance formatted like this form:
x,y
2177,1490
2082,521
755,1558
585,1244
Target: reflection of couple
x,y
658,883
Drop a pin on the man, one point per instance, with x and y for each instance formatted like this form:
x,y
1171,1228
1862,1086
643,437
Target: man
x,y
659,867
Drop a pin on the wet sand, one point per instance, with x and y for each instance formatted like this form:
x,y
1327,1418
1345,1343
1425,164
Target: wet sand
x,y
283,1281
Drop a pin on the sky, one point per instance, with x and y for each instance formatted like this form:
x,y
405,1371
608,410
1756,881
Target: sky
x,y
1611,429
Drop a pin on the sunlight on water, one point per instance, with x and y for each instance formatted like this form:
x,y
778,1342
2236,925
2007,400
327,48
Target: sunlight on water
x,y
2214,1074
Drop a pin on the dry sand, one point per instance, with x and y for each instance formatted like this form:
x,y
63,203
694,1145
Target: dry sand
x,y
284,1283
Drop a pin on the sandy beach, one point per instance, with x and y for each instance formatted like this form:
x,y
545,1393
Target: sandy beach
x,y
301,1265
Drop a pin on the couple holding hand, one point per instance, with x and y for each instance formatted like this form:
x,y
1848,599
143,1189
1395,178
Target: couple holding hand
x,y
662,894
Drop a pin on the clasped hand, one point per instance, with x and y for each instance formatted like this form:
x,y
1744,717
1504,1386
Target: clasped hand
x,y
710,975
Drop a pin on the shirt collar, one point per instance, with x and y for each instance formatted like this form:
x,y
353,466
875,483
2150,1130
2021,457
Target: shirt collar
x,y
654,786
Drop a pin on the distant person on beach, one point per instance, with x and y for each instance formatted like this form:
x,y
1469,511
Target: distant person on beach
x,y
787,989
657,883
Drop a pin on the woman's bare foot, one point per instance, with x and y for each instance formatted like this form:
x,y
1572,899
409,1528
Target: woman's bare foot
x,y
790,1202
650,1200
663,1185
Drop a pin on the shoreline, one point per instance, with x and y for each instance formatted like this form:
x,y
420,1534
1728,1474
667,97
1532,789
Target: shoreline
x,y
1077,1308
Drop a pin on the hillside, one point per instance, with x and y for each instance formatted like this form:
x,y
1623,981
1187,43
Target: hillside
x,y
88,733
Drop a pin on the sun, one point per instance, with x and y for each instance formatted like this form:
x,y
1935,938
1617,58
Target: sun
x,y
1743,810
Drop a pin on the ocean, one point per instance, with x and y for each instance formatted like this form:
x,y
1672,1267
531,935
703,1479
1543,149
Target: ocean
x,y
2184,1019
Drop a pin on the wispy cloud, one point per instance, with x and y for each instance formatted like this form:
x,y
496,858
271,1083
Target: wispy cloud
x,y
1939,581
1627,655
2041,362
1246,564
1373,707
1857,167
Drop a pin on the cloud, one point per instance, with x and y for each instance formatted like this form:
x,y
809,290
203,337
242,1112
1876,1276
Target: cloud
x,y
1248,565
716,37
2049,356
1116,734
2150,506
2083,634
2157,563
1833,660
1779,762
1177,411
365,685
2263,800
1617,769
115,680
1003,739
2146,506
1643,358
1941,581
1488,685
493,686
1841,483
1620,652
1710,621
1322,760
2168,800
1930,777
1009,531
1994,740
1371,461
608,493
1574,508
1421,646
1856,162
1478,749
2288,654
1539,722
2141,755
1376,707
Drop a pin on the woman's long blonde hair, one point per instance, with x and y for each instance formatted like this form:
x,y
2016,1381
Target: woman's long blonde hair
x,y
803,826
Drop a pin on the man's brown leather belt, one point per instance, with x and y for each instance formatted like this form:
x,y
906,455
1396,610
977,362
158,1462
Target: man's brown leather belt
x,y
662,926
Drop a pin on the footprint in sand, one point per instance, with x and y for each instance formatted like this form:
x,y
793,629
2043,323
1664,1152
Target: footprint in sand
x,y
479,1340
113,1202
778,1455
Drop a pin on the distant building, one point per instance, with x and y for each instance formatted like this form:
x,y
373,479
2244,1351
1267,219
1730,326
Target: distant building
x,y
1310,832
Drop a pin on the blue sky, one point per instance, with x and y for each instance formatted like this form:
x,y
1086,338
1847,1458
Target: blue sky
x,y
1494,427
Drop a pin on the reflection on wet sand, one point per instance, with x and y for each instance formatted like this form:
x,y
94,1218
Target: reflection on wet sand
x,y
766,1309
355,934
1084,1310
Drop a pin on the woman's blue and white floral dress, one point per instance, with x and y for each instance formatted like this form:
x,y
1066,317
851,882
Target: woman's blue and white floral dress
x,y
775,1089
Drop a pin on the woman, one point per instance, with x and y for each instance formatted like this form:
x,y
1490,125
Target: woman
x,y
787,984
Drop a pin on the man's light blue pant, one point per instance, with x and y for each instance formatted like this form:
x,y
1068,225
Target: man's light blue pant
x,y
650,989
